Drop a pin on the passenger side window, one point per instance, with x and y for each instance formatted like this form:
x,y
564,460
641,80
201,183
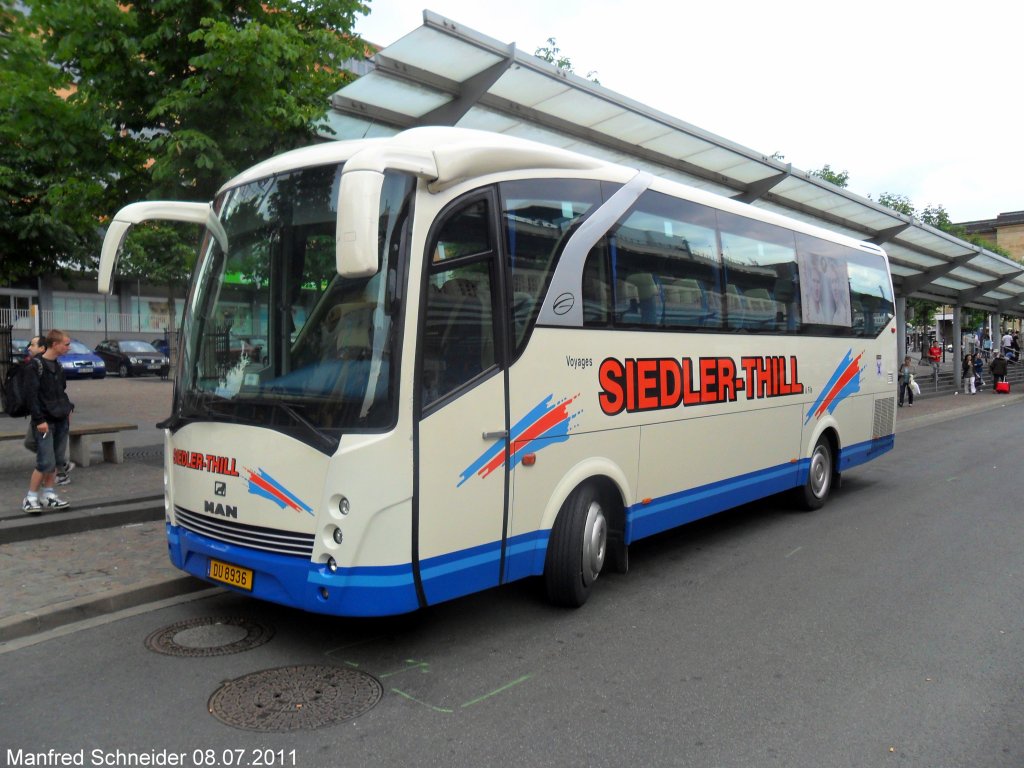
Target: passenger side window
x,y
848,290
459,329
661,266
538,216
761,276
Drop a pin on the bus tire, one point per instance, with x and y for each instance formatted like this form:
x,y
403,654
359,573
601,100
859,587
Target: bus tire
x,y
576,548
821,475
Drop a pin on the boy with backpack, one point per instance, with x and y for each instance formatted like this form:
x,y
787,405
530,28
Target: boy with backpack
x,y
46,396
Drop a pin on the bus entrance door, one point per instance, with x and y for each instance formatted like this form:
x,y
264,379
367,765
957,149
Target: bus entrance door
x,y
462,490
462,445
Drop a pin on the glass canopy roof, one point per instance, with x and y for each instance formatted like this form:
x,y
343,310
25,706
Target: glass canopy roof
x,y
445,74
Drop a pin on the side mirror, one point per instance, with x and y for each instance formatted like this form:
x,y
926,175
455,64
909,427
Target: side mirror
x,y
356,248
195,213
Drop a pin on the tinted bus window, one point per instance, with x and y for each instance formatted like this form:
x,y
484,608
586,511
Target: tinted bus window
x,y
661,267
761,275
458,324
538,216
847,290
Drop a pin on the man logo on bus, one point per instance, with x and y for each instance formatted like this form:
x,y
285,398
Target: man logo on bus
x,y
844,381
544,425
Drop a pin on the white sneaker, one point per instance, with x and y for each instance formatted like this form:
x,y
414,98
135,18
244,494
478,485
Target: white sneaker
x,y
55,502
32,506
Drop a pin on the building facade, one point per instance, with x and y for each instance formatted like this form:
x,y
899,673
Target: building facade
x,y
135,310
1006,230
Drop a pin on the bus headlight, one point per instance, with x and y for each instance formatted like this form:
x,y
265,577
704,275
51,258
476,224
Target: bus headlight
x,y
332,565
338,535
344,507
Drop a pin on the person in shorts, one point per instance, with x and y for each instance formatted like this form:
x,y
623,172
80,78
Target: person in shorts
x,y
46,390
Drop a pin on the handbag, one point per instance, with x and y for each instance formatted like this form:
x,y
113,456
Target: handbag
x,y
914,386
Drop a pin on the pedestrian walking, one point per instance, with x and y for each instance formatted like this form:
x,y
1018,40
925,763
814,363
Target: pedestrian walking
x,y
979,371
906,381
35,347
46,392
998,368
967,375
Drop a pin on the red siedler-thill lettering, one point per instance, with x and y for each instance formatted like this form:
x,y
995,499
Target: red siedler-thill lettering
x,y
208,462
654,383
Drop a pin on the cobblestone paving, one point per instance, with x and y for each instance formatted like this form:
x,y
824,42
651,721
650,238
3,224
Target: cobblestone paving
x,y
49,573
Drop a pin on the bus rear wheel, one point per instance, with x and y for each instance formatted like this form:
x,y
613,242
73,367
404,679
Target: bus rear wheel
x,y
820,477
577,548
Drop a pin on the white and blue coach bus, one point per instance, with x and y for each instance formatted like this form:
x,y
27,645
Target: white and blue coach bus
x,y
419,367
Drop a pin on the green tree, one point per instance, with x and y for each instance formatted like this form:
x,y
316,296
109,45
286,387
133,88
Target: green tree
x,y
839,178
180,95
937,216
50,151
552,54
899,203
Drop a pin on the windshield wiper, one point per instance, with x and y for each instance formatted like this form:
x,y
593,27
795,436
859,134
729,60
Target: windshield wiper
x,y
315,436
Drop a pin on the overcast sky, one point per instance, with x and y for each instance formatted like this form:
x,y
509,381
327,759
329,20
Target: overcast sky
x,y
921,99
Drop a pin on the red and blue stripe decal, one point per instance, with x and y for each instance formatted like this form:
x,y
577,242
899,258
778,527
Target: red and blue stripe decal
x,y
843,383
262,484
546,421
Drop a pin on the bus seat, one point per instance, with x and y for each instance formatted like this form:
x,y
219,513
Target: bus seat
x,y
467,344
347,329
736,303
627,302
761,308
649,294
684,302
596,301
672,303
529,281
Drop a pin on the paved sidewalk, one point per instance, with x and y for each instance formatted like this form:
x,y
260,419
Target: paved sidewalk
x,y
72,573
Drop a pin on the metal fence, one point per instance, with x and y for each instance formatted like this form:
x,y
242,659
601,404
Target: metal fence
x,y
103,323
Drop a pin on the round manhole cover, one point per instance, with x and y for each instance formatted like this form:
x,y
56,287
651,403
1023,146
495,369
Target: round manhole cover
x,y
209,636
295,698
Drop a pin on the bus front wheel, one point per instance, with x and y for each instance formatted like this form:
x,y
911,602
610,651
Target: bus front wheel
x,y
576,548
820,476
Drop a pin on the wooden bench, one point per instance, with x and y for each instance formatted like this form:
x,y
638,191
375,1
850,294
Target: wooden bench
x,y
82,437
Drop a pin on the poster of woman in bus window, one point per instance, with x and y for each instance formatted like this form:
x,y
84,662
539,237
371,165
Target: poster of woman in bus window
x,y
824,290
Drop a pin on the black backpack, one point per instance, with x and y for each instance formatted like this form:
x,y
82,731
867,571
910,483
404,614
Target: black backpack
x,y
16,403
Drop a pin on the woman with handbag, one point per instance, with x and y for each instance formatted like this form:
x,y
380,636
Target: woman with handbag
x,y
906,379
967,374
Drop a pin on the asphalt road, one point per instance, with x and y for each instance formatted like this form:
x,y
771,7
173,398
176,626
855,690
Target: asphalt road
x,y
884,630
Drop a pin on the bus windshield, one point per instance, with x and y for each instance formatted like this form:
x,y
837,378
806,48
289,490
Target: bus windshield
x,y
273,336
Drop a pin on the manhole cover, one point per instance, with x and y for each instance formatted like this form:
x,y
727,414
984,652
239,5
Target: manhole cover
x,y
294,698
209,636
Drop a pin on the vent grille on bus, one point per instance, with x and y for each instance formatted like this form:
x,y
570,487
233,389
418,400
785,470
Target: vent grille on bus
x,y
254,536
885,417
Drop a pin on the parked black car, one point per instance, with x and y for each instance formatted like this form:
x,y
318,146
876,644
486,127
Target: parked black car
x,y
130,357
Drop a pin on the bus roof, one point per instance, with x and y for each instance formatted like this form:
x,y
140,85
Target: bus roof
x,y
444,156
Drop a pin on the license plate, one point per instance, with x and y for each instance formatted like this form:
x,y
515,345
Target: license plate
x,y
153,366
234,575
85,369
